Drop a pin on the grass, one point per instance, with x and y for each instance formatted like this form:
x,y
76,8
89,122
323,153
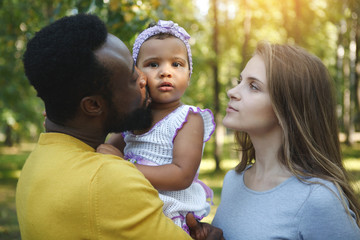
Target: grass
x,y
12,160
9,229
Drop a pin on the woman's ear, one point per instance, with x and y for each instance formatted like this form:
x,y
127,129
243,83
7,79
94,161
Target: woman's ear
x,y
92,105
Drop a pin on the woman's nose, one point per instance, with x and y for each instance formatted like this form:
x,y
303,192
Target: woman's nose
x,y
233,93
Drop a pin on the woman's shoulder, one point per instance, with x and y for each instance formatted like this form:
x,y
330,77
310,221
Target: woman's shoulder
x,y
233,175
323,196
328,211
320,187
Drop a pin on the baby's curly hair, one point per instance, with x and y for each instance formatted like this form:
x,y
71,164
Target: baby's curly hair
x,y
61,65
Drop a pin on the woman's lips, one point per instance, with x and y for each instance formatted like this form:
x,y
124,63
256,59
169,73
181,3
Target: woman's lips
x,y
231,109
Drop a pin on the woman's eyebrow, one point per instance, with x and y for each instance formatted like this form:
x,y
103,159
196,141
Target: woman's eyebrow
x,y
252,78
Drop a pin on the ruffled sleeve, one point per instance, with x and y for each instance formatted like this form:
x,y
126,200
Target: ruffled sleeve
x,y
206,114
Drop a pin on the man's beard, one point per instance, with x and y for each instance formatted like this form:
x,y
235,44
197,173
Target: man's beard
x,y
138,119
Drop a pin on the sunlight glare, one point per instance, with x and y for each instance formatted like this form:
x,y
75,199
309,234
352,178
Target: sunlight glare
x,y
203,6
352,164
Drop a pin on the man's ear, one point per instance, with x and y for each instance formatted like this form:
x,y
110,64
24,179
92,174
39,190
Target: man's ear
x,y
92,105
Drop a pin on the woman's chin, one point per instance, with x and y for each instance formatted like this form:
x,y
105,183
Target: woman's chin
x,y
228,123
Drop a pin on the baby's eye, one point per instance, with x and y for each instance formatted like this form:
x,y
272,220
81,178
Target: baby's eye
x,y
176,64
153,64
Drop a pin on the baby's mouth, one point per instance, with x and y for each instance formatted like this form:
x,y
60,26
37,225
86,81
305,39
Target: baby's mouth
x,y
166,86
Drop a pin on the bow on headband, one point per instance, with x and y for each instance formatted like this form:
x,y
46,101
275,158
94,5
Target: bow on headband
x,y
175,26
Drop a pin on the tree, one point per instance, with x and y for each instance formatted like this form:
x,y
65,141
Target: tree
x,y
347,76
217,144
221,47
20,110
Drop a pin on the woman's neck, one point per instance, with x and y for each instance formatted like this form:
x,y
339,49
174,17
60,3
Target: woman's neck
x,y
268,171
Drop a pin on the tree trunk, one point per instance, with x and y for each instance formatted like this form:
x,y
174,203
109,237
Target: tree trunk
x,y
340,53
357,71
247,29
8,136
352,82
298,20
217,145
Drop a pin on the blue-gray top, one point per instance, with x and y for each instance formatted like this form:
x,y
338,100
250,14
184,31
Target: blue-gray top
x,y
291,210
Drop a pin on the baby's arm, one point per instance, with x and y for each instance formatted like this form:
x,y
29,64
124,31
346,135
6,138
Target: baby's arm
x,y
117,140
187,155
109,149
115,145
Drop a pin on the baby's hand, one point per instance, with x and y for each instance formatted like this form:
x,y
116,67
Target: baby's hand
x,y
109,149
44,114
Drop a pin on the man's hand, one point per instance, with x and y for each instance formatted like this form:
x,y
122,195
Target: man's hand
x,y
109,149
202,231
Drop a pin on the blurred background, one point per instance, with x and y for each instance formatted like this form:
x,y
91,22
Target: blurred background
x,y
224,35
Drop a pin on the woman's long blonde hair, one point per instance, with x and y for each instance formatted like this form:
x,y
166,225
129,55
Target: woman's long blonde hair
x,y
302,96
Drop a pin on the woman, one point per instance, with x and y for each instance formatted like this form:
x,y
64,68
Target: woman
x,y
290,182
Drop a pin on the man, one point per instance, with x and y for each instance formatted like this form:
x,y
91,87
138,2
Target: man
x,y
87,80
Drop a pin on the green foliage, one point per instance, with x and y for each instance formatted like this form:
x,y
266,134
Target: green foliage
x,y
314,25
20,110
9,227
12,162
352,152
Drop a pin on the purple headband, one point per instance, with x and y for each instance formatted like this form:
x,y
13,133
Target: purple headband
x,y
163,27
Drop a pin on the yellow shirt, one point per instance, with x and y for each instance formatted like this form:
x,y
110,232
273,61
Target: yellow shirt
x,y
68,191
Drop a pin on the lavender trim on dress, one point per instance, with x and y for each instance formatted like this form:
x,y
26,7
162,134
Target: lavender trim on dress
x,y
208,191
197,111
184,226
164,27
131,157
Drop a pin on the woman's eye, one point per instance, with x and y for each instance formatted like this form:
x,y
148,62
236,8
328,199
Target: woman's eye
x,y
253,86
239,80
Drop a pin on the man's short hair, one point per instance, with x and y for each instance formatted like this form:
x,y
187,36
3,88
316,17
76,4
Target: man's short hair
x,y
61,65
